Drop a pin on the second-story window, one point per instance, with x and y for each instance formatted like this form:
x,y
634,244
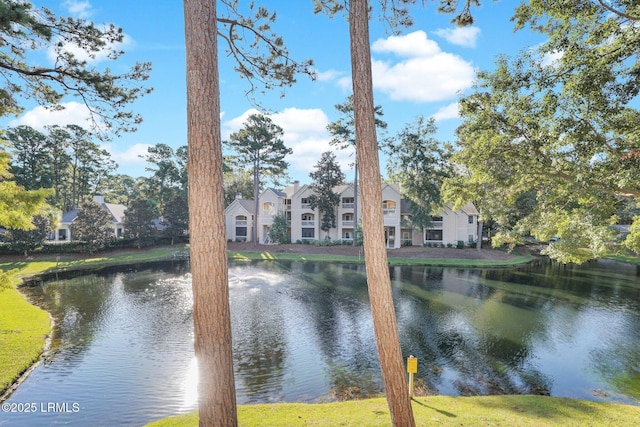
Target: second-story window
x,y
347,202
268,208
389,207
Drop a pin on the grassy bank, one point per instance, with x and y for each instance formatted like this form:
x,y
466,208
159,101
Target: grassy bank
x,y
538,411
23,331
435,262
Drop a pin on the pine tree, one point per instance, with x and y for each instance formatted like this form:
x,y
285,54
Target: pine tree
x,y
326,177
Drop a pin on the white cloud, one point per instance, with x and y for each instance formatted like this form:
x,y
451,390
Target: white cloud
x,y
461,36
426,74
305,132
235,124
413,44
89,56
339,78
552,59
323,76
80,8
73,113
130,156
450,111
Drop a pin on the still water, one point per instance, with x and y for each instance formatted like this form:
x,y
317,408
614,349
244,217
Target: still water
x,y
303,332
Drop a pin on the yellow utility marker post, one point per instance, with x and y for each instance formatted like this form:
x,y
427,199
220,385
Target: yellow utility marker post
x,y
412,368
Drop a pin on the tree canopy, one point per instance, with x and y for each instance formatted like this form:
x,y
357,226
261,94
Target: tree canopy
x,y
326,176
259,145
419,163
24,28
560,122
93,226
17,205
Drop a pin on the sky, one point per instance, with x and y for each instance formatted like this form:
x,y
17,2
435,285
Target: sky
x,y
421,72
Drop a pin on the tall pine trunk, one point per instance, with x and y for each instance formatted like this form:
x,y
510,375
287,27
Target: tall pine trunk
x,y
256,200
355,203
379,282
211,314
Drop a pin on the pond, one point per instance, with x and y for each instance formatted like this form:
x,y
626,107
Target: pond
x,y
303,332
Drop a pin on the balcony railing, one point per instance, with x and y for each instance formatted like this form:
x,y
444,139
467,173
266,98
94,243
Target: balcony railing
x,y
347,223
305,205
388,212
303,223
348,205
241,223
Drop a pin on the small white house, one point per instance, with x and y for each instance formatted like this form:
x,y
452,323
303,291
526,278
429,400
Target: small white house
x,y
63,233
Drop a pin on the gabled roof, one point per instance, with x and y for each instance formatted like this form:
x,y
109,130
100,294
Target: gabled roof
x,y
274,191
247,205
470,209
69,216
340,189
301,190
115,210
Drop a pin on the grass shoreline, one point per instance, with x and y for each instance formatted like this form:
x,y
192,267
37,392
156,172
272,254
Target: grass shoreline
x,y
447,411
24,328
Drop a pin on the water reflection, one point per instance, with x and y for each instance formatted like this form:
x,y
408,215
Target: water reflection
x,y
303,332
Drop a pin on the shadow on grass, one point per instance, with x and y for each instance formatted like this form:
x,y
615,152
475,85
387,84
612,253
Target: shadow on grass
x,y
16,265
543,407
445,413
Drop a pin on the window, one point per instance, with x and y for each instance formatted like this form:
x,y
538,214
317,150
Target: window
x,y
434,235
306,203
471,238
347,202
268,208
436,218
308,233
241,231
470,219
389,207
307,219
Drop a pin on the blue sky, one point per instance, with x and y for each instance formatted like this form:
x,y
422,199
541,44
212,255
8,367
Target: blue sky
x,y
418,73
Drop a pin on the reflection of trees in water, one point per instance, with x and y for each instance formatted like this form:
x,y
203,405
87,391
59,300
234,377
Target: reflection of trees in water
x,y
337,304
259,339
461,329
617,361
78,306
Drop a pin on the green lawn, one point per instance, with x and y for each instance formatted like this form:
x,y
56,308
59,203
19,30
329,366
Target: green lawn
x,y
23,330
446,411
442,262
